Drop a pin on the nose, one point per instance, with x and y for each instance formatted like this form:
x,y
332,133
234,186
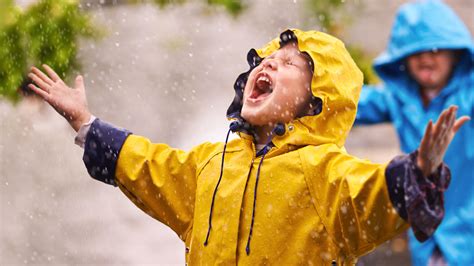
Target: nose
x,y
270,63
425,56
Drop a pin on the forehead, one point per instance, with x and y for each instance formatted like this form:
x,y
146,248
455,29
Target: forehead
x,y
289,50
434,53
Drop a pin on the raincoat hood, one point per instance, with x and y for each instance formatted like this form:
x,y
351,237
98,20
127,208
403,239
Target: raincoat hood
x,y
423,26
336,82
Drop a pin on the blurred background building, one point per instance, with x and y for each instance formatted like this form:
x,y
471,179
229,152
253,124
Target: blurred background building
x,y
165,73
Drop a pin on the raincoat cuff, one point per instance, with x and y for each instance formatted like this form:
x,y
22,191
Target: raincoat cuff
x,y
103,144
417,199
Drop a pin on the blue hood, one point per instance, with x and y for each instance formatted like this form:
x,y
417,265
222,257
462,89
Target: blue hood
x,y
423,26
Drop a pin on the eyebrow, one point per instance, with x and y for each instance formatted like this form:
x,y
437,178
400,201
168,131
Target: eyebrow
x,y
299,55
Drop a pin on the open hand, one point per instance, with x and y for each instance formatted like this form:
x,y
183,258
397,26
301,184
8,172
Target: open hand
x,y
437,138
68,102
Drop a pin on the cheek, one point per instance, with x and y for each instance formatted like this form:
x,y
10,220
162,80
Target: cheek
x,y
412,65
445,67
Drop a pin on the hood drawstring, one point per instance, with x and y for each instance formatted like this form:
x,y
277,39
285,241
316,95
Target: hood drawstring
x,y
279,130
265,150
234,126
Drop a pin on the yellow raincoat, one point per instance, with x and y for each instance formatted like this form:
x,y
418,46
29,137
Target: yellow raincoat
x,y
315,204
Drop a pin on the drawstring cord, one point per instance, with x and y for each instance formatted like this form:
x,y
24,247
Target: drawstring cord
x,y
265,150
280,131
217,186
234,126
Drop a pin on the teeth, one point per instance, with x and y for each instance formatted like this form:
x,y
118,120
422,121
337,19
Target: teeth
x,y
265,79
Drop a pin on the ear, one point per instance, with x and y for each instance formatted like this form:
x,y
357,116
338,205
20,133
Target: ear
x,y
316,106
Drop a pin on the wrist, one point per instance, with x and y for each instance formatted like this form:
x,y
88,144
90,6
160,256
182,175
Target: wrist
x,y
426,168
81,120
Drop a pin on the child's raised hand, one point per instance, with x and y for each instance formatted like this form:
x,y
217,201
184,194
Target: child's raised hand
x,y
68,102
437,138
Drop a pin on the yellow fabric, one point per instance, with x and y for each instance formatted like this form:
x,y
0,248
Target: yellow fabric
x,y
315,203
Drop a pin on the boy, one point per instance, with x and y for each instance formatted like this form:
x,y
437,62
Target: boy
x,y
285,192
427,67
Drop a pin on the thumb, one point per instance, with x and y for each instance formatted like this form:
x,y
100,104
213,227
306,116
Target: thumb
x,y
79,83
458,124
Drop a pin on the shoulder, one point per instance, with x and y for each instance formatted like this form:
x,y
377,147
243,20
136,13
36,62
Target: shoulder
x,y
204,152
320,155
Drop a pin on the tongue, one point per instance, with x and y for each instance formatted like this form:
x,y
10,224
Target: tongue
x,y
263,85
426,74
262,95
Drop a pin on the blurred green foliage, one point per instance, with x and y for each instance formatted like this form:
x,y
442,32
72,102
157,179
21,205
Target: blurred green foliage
x,y
326,12
46,32
364,62
12,54
164,3
333,16
233,7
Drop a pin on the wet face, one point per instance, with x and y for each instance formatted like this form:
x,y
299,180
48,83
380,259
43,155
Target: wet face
x,y
279,89
432,69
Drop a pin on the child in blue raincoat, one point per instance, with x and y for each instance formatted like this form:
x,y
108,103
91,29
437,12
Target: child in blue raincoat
x,y
285,192
427,66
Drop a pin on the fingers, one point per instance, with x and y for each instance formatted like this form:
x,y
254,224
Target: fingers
x,y
79,83
55,77
42,76
42,85
43,94
449,122
426,141
441,123
458,124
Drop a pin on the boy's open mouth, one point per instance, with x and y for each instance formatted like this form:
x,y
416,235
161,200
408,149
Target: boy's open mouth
x,y
262,87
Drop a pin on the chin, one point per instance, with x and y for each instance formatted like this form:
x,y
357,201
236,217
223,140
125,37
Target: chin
x,y
255,118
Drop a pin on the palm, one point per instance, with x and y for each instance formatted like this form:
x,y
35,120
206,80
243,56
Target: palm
x,y
70,103
437,138
66,100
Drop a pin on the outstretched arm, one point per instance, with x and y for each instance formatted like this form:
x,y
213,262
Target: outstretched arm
x,y
71,103
416,182
373,106
436,140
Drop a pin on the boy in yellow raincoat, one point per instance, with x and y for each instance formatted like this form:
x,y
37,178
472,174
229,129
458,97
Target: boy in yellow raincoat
x,y
285,192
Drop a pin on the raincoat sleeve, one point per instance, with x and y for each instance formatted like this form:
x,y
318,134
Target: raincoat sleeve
x,y
158,179
372,107
417,199
354,198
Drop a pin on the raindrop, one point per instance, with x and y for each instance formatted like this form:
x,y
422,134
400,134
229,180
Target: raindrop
x,y
343,209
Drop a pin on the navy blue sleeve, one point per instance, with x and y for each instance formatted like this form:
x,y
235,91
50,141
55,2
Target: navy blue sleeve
x,y
101,150
417,199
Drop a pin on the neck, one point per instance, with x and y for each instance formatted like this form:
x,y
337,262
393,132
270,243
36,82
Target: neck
x,y
429,93
262,133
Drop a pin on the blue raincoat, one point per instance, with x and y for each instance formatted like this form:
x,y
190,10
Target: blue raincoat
x,y
425,26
